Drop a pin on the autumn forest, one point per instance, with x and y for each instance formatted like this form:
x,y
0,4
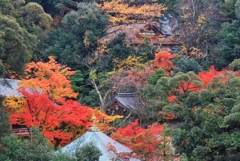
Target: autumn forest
x,y
75,60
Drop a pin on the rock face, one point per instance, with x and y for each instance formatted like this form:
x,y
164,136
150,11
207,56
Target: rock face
x,y
168,24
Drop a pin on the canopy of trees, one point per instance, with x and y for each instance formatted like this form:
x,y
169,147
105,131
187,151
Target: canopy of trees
x,y
68,74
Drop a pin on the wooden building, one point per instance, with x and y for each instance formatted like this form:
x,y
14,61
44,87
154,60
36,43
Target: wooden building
x,y
135,34
122,104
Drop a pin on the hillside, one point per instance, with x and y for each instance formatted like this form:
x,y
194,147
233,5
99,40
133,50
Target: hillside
x,y
171,61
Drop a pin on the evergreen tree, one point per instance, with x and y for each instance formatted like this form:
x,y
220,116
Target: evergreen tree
x,y
187,65
5,129
210,129
16,44
228,44
75,42
35,149
11,148
88,152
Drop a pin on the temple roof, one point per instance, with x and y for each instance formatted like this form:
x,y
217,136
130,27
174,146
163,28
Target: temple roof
x,y
9,87
128,100
100,140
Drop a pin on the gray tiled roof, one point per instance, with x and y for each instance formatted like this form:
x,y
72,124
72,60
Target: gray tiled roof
x,y
8,87
128,100
100,140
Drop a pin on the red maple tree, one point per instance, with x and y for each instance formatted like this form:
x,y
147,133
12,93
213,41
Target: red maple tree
x,y
46,103
135,77
50,77
143,142
163,60
208,76
60,123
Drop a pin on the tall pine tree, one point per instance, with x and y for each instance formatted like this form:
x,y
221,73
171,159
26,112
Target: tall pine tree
x,y
4,121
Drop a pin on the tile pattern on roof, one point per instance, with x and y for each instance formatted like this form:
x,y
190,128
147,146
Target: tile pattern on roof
x,y
128,100
100,140
9,87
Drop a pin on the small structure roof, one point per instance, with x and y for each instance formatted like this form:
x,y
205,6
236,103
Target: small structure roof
x,y
128,100
100,140
9,87
122,104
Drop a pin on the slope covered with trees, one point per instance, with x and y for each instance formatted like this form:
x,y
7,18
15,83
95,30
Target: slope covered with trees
x,y
68,74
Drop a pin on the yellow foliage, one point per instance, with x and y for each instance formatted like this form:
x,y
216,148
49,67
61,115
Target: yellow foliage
x,y
121,12
192,52
14,104
126,64
103,120
51,78
201,21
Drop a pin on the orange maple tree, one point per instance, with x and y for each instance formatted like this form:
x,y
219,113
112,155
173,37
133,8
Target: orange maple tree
x,y
143,142
46,103
50,77
60,123
163,60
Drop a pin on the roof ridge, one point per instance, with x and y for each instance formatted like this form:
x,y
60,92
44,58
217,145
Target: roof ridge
x,y
126,94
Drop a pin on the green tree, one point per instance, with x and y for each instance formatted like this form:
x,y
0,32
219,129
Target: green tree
x,y
87,95
55,7
76,40
33,18
228,9
210,129
118,49
237,9
88,152
4,121
2,67
75,43
36,148
146,50
6,7
10,148
154,95
235,64
61,156
16,44
20,31
187,65
228,45
155,77
77,82
30,16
